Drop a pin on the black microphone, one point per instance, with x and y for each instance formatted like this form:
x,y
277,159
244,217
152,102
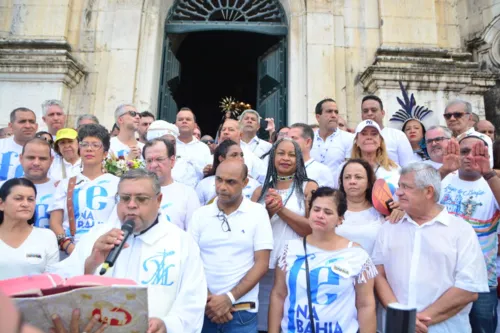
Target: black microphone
x,y
127,228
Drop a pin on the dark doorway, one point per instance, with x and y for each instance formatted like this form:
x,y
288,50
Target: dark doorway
x,y
217,64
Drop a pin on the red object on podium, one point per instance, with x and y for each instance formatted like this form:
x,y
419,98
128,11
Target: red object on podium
x,y
381,197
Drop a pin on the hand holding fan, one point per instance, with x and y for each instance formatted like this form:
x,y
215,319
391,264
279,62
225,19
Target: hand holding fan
x,y
382,197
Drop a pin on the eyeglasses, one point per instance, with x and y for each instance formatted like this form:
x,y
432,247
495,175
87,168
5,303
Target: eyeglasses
x,y
208,142
456,115
158,160
132,113
93,145
225,223
139,200
435,140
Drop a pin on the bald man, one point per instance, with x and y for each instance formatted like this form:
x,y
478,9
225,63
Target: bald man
x,y
236,254
486,127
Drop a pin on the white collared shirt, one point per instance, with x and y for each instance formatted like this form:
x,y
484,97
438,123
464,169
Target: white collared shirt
x,y
229,255
186,172
257,146
56,169
334,150
397,145
166,260
194,151
319,173
435,165
422,262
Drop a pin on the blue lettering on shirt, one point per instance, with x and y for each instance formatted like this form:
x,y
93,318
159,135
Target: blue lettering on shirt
x,y
122,152
159,269
42,218
5,165
168,204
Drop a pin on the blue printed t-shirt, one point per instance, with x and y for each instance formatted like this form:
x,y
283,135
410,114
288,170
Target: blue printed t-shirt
x,y
93,202
333,275
10,166
475,203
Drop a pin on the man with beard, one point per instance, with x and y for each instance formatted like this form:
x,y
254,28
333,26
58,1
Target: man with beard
x,y
437,139
125,144
24,126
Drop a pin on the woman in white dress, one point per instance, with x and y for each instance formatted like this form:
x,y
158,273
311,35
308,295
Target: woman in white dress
x,y
25,249
67,161
361,221
94,190
227,149
325,272
284,194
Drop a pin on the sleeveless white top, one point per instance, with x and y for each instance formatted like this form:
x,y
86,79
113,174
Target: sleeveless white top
x,y
332,275
282,232
361,227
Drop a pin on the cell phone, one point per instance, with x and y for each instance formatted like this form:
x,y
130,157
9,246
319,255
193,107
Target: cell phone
x,y
263,123
244,306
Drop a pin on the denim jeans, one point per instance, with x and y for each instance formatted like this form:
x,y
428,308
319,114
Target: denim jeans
x,y
243,322
483,315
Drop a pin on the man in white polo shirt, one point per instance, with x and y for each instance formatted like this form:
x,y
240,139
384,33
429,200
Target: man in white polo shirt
x,y
249,125
304,136
396,142
331,146
235,239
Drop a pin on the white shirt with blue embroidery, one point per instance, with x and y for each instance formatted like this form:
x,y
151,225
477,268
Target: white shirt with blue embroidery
x,y
178,203
120,149
10,166
93,202
206,189
332,275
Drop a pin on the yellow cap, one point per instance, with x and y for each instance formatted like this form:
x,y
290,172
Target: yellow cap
x,y
66,133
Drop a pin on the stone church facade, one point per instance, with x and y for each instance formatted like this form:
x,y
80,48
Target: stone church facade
x,y
282,56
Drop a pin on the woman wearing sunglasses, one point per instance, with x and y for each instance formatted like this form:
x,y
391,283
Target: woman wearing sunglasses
x,y
67,161
87,199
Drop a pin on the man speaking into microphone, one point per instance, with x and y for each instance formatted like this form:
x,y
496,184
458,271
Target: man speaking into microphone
x,y
157,254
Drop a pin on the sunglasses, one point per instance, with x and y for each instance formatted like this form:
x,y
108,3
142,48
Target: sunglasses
x,y
208,142
41,136
457,115
132,113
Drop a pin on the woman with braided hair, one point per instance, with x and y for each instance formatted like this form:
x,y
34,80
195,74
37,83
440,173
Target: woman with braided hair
x,y
284,194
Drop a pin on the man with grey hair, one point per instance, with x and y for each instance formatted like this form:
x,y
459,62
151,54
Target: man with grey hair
x,y
158,255
125,144
458,116
249,125
474,195
85,119
436,140
53,115
429,260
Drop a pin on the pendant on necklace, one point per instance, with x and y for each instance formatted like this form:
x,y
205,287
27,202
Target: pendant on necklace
x,y
284,178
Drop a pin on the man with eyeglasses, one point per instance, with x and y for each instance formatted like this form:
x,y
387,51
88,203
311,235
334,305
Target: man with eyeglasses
x,y
158,255
436,140
473,193
179,201
485,127
125,144
458,115
24,126
235,239
210,142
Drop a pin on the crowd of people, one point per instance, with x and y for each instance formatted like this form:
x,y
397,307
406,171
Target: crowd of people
x,y
236,233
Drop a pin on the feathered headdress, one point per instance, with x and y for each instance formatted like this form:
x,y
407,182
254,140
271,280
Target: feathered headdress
x,y
410,110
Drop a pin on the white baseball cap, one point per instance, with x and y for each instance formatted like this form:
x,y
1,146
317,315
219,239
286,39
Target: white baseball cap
x,y
367,123
159,128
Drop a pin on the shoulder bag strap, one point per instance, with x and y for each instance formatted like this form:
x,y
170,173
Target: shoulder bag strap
x,y
309,302
70,207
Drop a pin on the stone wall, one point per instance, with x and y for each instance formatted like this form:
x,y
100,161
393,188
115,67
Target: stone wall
x,y
109,52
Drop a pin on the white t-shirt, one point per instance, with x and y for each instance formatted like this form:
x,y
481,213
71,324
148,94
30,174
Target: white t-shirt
x,y
361,227
435,165
178,203
93,202
206,189
186,172
390,176
474,202
397,145
256,167
35,254
56,169
335,150
120,149
257,146
319,173
195,151
228,256
422,262
10,166
333,276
